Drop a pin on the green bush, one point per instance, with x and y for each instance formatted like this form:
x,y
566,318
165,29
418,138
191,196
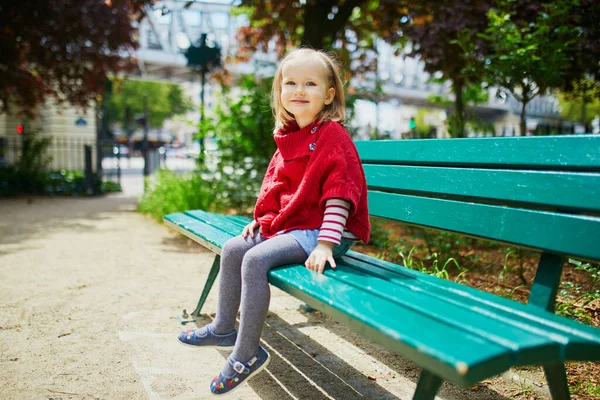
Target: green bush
x,y
15,181
243,127
168,193
72,183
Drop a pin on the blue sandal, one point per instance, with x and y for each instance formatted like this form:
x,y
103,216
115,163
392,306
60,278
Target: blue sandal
x,y
207,338
243,372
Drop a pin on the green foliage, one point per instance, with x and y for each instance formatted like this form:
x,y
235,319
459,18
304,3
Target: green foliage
x,y
16,182
165,100
243,126
72,183
472,95
570,310
586,388
169,192
527,57
436,268
28,175
571,106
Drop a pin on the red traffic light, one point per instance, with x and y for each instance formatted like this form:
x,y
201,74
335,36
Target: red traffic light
x,y
20,129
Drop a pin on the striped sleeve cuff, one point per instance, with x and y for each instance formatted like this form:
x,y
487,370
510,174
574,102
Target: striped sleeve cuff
x,y
334,220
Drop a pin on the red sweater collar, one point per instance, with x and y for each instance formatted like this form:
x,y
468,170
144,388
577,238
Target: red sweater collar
x,y
294,142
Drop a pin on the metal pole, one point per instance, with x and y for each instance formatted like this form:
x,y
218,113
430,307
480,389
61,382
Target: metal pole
x,y
100,109
145,142
88,169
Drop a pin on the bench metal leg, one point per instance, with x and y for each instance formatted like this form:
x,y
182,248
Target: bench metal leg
x,y
556,376
546,282
427,386
212,276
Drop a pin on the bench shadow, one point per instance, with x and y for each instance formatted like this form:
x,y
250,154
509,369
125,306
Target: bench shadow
x,y
396,363
181,244
303,368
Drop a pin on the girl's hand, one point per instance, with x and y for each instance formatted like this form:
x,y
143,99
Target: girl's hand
x,y
319,256
249,229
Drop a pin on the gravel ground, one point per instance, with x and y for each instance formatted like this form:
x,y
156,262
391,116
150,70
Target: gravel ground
x,y
89,295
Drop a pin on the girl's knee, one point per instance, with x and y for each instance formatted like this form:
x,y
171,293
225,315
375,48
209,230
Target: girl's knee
x,y
236,246
254,266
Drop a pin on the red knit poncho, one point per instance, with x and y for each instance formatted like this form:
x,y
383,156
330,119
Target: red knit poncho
x,y
311,165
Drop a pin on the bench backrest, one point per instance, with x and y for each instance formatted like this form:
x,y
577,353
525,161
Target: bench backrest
x,y
536,192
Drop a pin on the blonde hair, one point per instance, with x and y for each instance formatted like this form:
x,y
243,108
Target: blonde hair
x,y
335,111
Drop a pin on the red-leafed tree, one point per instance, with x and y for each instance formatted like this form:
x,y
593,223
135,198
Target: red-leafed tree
x,y
348,27
63,49
351,26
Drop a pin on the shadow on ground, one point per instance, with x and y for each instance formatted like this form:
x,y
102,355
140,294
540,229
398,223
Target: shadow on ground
x,y
302,368
22,220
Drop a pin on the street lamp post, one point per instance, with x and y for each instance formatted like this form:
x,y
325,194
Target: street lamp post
x,y
203,59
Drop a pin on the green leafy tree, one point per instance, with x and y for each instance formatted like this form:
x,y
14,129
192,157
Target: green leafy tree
x,y
583,70
126,101
575,107
436,30
582,83
63,49
243,127
529,56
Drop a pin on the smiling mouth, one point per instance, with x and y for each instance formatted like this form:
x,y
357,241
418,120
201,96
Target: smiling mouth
x,y
299,101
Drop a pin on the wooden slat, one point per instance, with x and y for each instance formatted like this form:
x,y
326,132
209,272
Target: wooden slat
x,y
225,222
535,188
579,337
209,236
526,341
543,230
548,152
464,362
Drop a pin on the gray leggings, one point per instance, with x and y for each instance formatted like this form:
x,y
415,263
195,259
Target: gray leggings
x,y
243,278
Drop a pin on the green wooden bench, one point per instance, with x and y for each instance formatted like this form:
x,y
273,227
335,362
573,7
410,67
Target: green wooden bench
x,y
537,192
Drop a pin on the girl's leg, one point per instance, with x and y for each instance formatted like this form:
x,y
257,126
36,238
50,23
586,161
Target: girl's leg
x,y
228,298
256,294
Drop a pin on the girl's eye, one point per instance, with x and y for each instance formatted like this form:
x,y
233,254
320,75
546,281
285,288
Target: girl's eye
x,y
290,83
311,84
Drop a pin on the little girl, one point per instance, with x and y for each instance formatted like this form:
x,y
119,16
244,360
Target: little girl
x,y
311,207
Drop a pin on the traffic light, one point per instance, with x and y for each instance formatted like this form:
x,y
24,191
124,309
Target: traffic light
x,y
20,129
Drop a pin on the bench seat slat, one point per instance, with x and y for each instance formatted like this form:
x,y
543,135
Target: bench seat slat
x,y
394,326
493,306
534,188
208,235
556,152
530,228
228,223
524,332
526,341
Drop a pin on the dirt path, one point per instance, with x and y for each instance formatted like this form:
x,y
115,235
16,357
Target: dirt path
x,y
89,294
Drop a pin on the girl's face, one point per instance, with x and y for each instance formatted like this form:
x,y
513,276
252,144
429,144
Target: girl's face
x,y
305,89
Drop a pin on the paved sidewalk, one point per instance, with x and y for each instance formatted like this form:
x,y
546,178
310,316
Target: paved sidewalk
x,y
89,293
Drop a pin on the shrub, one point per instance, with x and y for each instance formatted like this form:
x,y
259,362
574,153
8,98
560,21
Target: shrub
x,y
168,193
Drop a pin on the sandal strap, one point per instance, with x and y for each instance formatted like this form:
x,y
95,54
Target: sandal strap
x,y
239,367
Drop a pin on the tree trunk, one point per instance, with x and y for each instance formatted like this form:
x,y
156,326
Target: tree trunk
x,y
316,27
201,130
522,123
583,110
459,109
319,31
